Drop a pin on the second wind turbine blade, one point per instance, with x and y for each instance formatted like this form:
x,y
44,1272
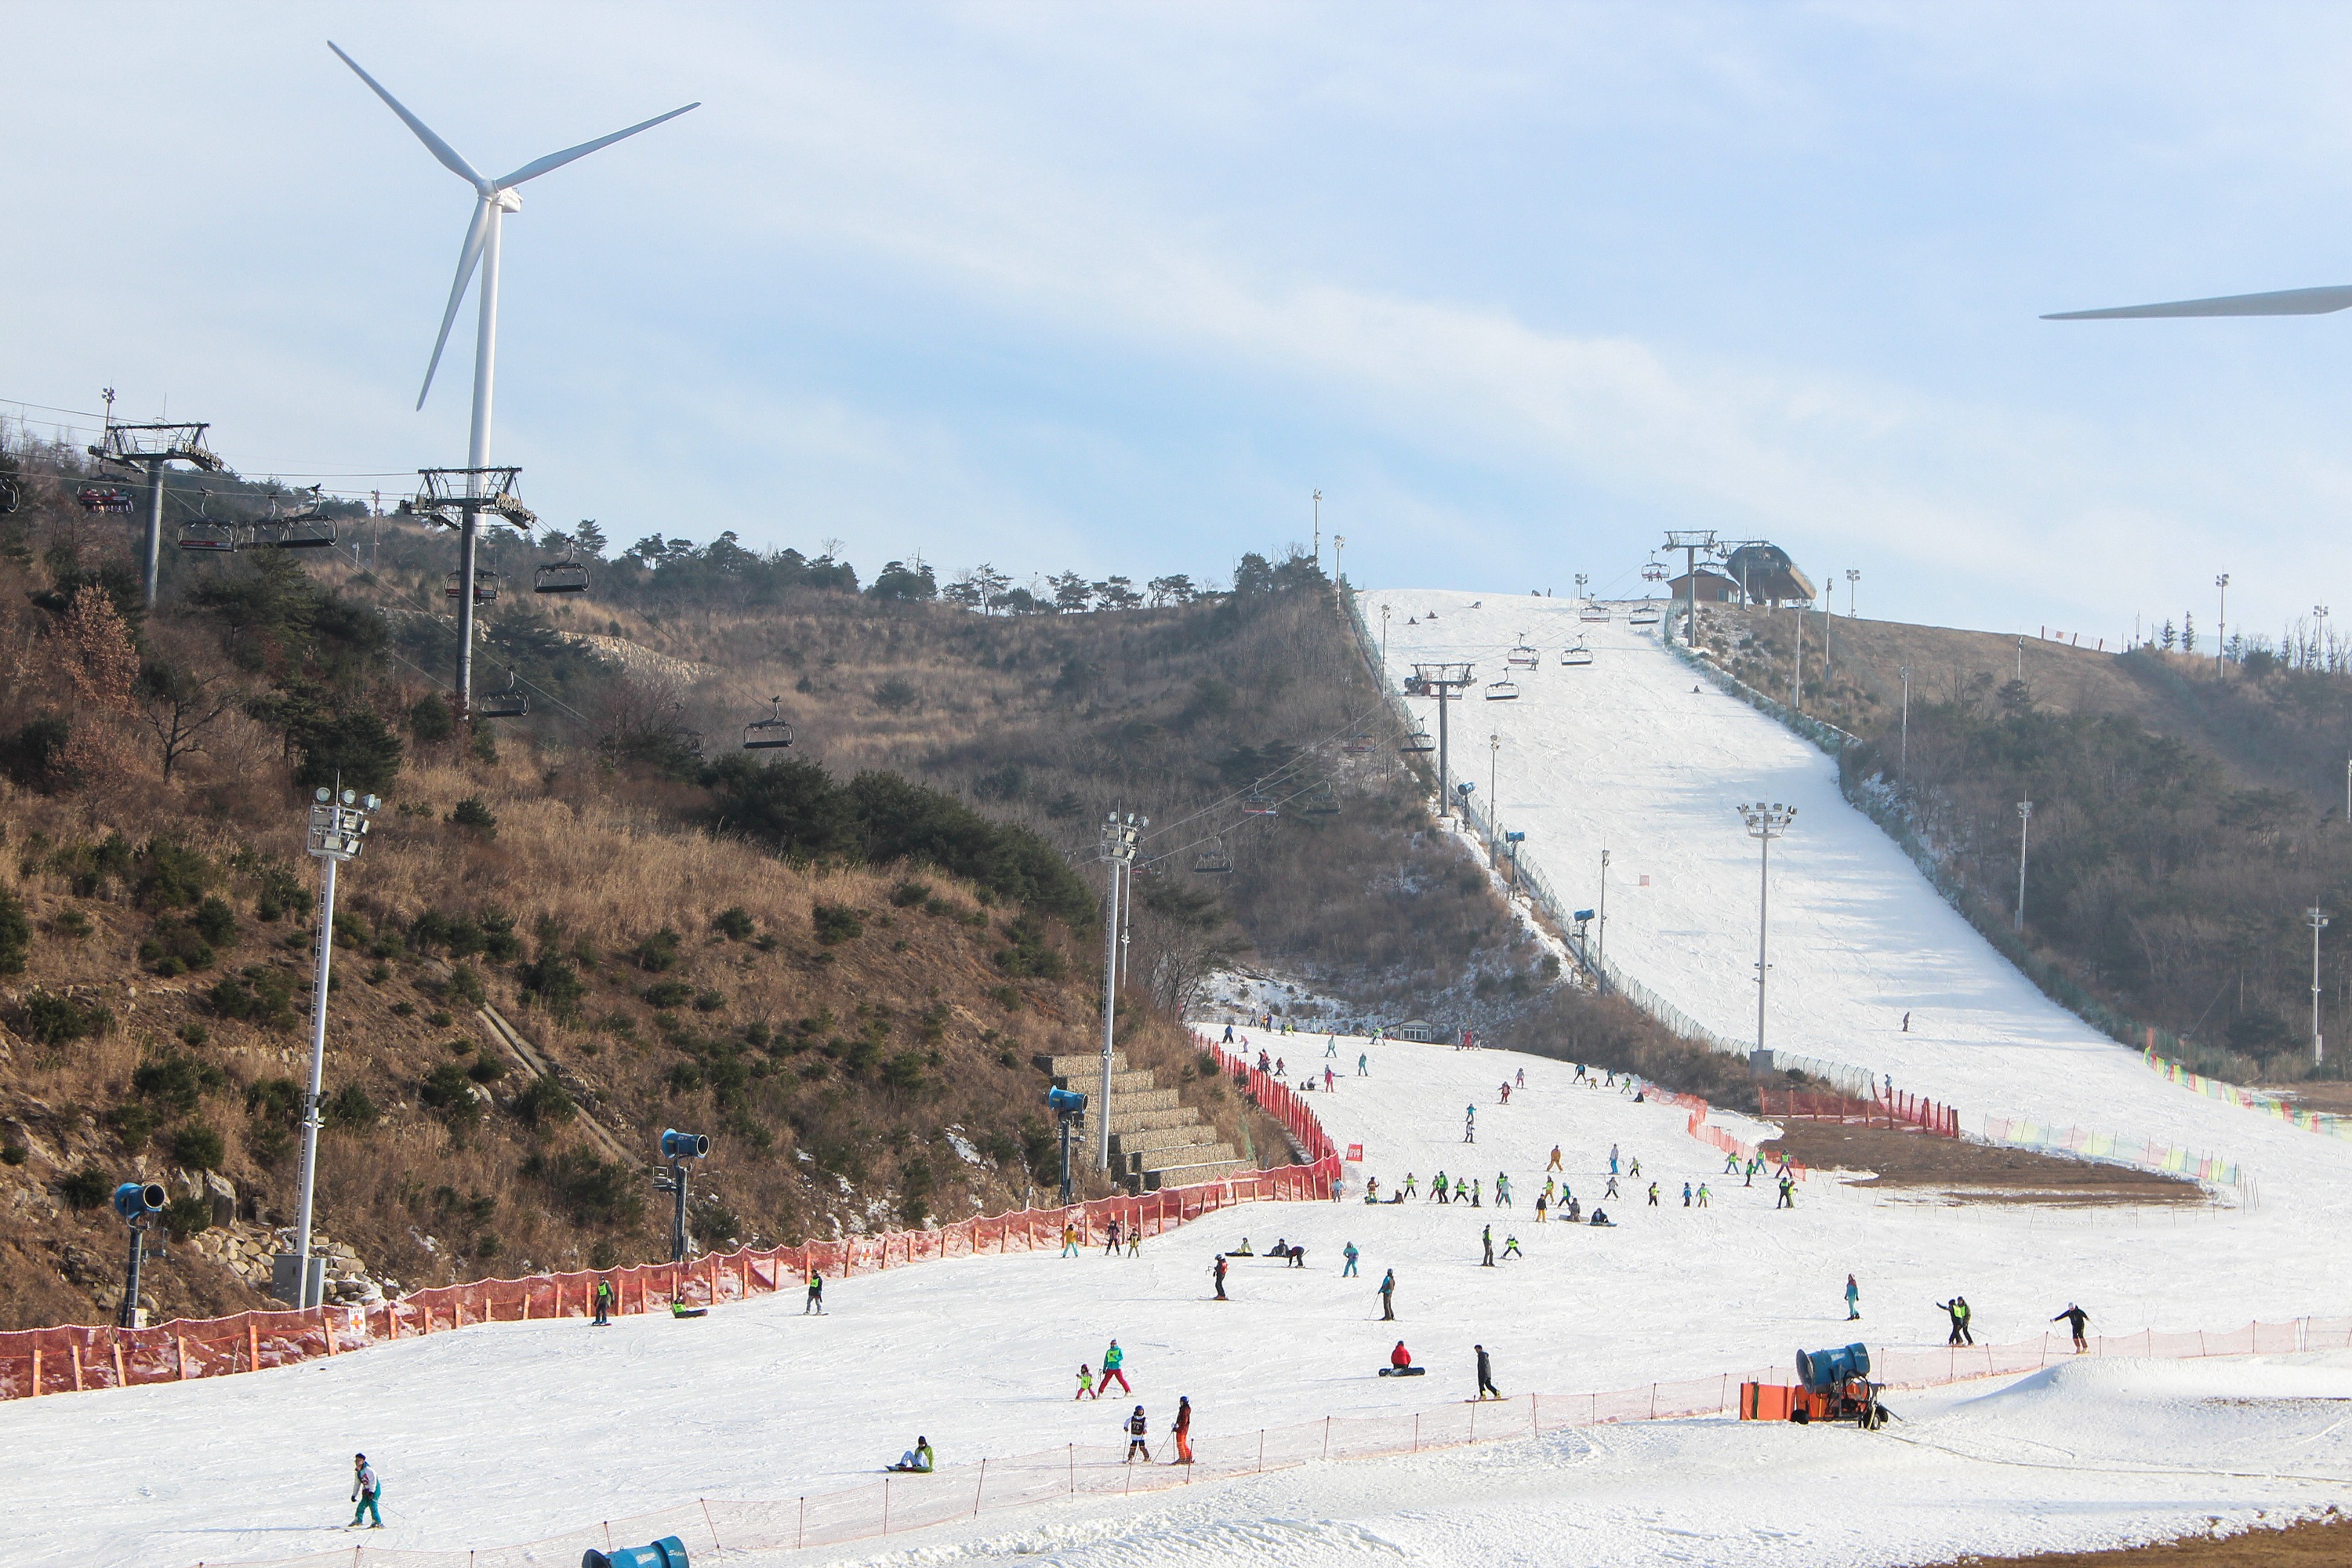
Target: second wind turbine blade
x,y
440,149
2282,302
538,166
466,259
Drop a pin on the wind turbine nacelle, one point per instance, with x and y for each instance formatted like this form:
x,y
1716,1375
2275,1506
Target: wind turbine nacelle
x,y
509,201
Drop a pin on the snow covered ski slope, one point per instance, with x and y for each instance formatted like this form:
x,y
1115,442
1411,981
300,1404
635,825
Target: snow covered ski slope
x,y
514,1431
1637,754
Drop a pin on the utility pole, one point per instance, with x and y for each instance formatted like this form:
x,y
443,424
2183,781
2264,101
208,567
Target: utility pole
x,y
2021,661
1493,801
1852,578
2024,822
1119,836
1903,750
1690,542
1445,682
1765,823
339,821
1384,641
2222,625
1339,552
1797,665
151,448
2318,923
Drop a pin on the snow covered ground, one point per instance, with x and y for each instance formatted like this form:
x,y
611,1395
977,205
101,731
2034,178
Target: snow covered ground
x,y
510,1432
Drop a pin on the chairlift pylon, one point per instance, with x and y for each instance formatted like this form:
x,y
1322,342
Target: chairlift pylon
x,y
769,733
511,704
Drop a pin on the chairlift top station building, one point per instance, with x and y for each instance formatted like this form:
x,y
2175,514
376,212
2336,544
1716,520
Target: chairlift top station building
x,y
1754,573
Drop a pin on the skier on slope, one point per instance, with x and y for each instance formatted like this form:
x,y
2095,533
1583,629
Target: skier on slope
x,y
1408,1184
1510,1247
1611,1191
365,1490
816,1295
1502,1191
1330,1046
1388,1297
1113,1359
1633,1167
1218,1271
1182,1430
1523,1078
1853,1300
1686,1194
1438,1190
2075,1317
1555,1160
1364,1066
1326,1081
1085,1384
1506,1091
1350,1271
1487,1240
1957,1310
1788,1194
1135,1427
603,1303
1701,1194
1486,1388
1653,1194
1613,1159
1469,1124
1461,1190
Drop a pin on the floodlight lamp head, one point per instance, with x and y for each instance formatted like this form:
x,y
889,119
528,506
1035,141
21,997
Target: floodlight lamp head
x,y
322,795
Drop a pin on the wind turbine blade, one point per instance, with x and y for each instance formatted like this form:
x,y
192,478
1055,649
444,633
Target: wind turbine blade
x,y
2282,302
441,150
466,262
533,169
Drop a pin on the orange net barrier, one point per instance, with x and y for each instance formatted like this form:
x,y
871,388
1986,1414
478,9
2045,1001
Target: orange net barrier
x,y
894,1504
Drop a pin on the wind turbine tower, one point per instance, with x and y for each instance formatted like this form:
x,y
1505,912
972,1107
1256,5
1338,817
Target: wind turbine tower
x,y
494,199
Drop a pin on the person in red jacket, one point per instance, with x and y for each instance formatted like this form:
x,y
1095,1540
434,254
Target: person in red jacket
x,y
1399,1358
1182,1430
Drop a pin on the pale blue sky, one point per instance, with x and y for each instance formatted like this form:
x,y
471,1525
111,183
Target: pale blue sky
x,y
1114,287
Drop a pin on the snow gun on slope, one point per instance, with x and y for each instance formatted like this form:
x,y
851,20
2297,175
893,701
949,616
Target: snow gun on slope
x,y
1832,1385
669,1552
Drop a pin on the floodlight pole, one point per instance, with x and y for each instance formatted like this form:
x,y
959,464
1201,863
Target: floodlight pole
x,y
1852,577
2222,625
1903,750
339,827
2024,822
2318,923
1603,947
1120,838
1765,823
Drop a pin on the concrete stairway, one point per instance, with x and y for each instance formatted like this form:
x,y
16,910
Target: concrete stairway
x,y
1156,1140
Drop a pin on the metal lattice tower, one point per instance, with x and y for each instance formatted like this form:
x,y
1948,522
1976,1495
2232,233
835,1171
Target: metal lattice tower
x,y
152,448
457,498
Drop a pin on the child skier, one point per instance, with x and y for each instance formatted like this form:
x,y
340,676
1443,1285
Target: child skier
x,y
1701,1194
1543,1200
1510,1247
815,1296
1408,1184
1086,1385
1469,1124
365,1490
1069,1240
1653,1194
1218,1270
1523,1078
1461,1189
1612,1188
1135,1431
603,1303
1506,1091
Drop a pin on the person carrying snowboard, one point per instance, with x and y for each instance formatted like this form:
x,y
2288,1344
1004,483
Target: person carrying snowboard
x,y
1388,1297
1136,1427
604,1303
1853,1299
1182,1430
1350,1271
365,1490
1487,1389
2077,1318
1113,1359
815,1296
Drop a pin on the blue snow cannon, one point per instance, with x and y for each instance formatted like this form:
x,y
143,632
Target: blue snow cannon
x,y
677,1145
1826,1371
669,1552
135,1201
1066,1101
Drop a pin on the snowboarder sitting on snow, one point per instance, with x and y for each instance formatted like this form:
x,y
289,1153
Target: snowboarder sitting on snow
x,y
1575,1209
365,1490
917,1459
679,1308
1399,1358
1243,1251
1601,1216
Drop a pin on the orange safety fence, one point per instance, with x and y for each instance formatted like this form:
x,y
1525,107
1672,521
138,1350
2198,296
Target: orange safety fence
x,y
65,1360
898,1503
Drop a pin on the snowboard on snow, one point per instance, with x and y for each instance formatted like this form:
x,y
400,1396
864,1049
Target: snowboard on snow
x,y
1403,1371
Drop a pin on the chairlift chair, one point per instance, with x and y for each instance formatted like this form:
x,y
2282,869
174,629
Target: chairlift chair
x,y
511,704
1503,691
1647,616
486,585
1322,803
1418,741
1593,613
1654,571
1260,803
568,575
1358,745
769,733
103,498
1214,859
1575,653
1523,655
203,531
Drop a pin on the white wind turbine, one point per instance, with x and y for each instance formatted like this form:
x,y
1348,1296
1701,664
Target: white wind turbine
x,y
493,200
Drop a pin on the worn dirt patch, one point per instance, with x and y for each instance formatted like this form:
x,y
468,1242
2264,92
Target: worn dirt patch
x,y
2304,1545
1973,1172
